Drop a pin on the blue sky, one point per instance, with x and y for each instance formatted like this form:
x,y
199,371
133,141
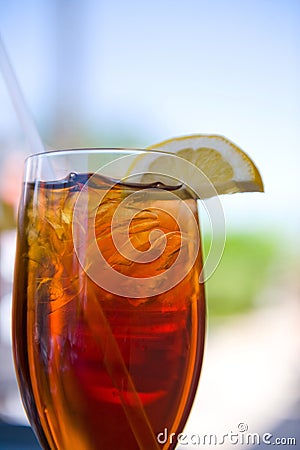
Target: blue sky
x,y
167,68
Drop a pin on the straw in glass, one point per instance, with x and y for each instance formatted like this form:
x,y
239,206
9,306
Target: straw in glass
x,y
114,362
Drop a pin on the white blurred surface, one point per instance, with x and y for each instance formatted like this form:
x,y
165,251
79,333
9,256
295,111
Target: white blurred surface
x,y
251,369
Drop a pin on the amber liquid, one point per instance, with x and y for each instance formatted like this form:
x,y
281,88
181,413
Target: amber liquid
x,y
98,370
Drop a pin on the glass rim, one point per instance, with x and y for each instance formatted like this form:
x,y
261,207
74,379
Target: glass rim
x,y
83,150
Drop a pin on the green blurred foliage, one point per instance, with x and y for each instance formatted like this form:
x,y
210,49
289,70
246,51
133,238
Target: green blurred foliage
x,y
243,271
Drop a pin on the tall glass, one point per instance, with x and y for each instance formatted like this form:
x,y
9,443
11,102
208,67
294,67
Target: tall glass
x,y
108,311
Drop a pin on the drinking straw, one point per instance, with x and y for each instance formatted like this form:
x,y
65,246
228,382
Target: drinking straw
x,y
114,363
19,103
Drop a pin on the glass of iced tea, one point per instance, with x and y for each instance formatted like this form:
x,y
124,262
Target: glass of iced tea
x,y
108,310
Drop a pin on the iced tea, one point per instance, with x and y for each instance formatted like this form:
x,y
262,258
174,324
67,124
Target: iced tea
x,y
93,365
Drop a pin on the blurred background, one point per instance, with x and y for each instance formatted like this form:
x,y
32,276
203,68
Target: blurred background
x,y
113,73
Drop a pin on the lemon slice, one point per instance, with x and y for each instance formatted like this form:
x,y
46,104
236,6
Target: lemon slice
x,y
226,166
